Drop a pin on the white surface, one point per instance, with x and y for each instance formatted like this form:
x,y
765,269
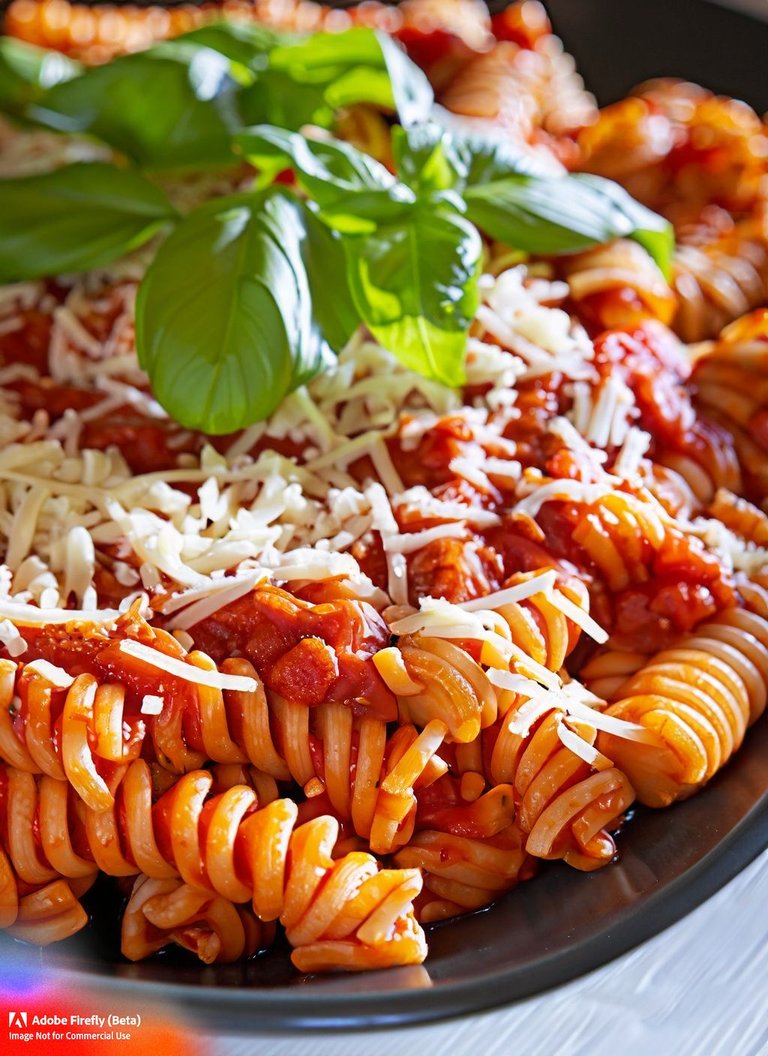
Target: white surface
x,y
698,989
756,8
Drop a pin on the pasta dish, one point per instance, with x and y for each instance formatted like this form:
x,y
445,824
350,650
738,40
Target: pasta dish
x,y
383,472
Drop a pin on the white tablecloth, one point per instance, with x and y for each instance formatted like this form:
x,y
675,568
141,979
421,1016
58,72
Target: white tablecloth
x,y
698,989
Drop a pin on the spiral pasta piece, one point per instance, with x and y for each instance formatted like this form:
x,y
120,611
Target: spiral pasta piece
x,y
741,517
606,672
706,458
697,699
618,285
731,378
446,684
52,913
161,912
532,621
337,913
569,794
526,89
718,282
620,534
463,874
538,624
76,733
678,148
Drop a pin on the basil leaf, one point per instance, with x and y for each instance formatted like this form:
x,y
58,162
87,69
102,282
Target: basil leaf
x,y
445,152
75,218
334,314
411,90
322,57
247,44
565,214
352,189
361,85
172,106
224,325
415,285
26,72
541,215
425,158
547,216
655,234
486,157
305,82
277,99
359,66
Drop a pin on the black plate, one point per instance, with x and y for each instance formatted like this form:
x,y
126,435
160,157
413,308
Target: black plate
x,y
563,923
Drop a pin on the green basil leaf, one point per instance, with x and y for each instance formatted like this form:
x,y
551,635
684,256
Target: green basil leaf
x,y
75,218
360,85
325,166
277,99
247,44
334,314
359,66
541,215
26,72
425,158
171,107
547,216
413,97
653,232
224,322
489,157
415,286
565,214
445,152
322,57
305,82
352,189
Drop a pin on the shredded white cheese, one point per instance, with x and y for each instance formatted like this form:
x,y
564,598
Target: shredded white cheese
x,y
57,676
14,643
172,666
151,704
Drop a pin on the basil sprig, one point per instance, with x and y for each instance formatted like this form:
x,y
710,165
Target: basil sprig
x,y
412,261
75,218
252,294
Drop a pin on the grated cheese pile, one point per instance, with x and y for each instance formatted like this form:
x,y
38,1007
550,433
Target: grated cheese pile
x,y
67,510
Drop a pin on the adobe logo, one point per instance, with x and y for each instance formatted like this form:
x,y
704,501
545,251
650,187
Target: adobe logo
x,y
17,1020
